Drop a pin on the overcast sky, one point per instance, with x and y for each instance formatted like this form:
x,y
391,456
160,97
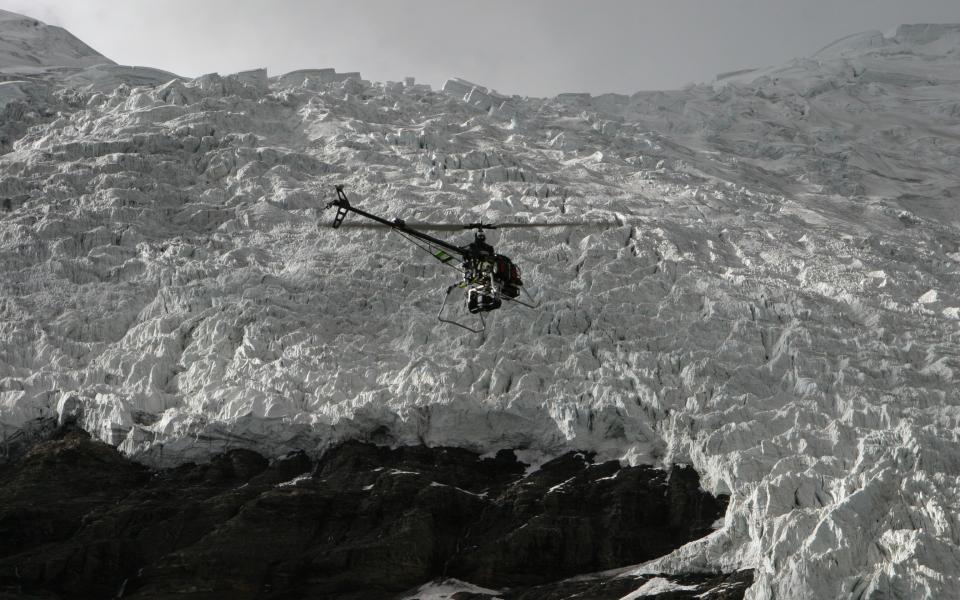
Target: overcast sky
x,y
527,47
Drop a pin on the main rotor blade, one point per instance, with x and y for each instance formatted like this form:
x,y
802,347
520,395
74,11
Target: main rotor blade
x,y
490,226
557,224
410,224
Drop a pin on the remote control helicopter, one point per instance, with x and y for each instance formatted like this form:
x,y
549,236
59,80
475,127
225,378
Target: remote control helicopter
x,y
488,279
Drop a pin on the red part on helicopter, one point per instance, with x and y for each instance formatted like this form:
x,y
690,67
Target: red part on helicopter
x,y
508,274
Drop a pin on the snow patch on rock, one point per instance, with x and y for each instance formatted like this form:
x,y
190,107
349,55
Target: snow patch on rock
x,y
658,585
446,590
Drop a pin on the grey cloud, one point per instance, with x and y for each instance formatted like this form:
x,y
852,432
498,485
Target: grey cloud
x,y
534,47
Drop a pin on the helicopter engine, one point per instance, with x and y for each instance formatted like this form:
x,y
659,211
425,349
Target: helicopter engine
x,y
487,279
488,276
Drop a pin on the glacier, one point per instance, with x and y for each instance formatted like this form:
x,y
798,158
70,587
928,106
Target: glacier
x,y
767,286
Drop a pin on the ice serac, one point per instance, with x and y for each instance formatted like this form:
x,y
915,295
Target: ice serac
x,y
475,95
771,295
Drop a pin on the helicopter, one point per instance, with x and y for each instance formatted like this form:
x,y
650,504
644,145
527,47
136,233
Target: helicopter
x,y
488,279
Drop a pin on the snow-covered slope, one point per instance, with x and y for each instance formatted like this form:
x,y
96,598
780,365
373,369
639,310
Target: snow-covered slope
x,y
775,298
35,56
26,43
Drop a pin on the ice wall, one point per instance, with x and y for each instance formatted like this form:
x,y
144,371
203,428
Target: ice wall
x,y
769,291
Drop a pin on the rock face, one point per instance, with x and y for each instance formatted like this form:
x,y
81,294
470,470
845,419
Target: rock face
x,y
79,520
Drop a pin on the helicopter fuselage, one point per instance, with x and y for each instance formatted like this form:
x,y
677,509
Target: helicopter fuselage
x,y
488,277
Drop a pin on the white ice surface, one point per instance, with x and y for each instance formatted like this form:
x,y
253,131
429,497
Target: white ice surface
x,y
773,298
657,585
446,589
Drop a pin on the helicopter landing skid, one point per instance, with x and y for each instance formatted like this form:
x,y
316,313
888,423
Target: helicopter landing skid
x,y
532,304
483,324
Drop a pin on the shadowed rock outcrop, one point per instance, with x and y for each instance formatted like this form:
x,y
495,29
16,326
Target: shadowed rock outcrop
x,y
79,520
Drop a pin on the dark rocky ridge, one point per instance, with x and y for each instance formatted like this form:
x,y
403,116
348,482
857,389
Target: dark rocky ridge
x,y
79,520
